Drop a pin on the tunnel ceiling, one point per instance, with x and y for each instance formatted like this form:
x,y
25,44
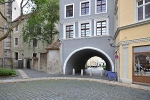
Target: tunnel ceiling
x,y
78,60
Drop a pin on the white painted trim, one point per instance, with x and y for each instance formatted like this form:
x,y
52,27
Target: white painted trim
x,y
64,30
79,27
65,10
89,7
107,25
92,48
96,8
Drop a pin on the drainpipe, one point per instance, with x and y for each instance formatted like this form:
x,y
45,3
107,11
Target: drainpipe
x,y
4,34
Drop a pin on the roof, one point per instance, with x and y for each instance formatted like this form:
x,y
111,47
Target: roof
x,y
54,46
23,17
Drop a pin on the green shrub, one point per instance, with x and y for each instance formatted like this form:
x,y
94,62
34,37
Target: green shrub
x,y
104,67
7,72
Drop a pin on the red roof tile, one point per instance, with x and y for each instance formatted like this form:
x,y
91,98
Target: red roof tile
x,y
54,46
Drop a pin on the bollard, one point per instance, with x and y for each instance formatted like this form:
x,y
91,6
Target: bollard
x,y
73,73
90,72
81,72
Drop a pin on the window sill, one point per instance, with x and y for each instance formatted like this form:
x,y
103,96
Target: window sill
x,y
69,17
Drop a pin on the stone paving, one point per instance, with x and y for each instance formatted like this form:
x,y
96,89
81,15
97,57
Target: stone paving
x,y
69,90
38,85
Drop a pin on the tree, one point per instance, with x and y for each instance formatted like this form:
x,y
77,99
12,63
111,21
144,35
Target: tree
x,y
9,23
41,25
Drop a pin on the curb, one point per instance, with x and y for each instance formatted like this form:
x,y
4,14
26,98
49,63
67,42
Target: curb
x,y
147,88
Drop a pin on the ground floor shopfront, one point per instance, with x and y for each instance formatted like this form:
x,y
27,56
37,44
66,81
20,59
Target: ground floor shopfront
x,y
133,64
133,49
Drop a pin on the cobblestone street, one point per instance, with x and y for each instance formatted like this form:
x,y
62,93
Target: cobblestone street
x,y
69,90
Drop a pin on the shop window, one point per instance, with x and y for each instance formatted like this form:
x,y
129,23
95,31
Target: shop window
x,y
142,63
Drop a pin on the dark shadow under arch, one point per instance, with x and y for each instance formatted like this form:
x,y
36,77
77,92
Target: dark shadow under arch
x,y
78,60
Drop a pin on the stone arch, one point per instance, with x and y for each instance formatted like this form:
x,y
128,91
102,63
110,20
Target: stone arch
x,y
87,52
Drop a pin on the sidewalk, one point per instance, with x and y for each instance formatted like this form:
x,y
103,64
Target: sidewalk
x,y
29,75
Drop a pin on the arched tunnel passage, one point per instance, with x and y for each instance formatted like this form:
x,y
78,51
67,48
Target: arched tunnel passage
x,y
77,59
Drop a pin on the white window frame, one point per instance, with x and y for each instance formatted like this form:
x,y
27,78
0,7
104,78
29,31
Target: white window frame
x,y
136,11
107,26
15,42
65,10
96,8
79,27
89,7
64,30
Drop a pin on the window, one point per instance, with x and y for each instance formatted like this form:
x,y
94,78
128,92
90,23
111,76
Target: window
x,y
85,29
69,31
143,9
16,29
85,8
69,11
100,6
34,54
16,55
16,41
141,63
34,42
101,27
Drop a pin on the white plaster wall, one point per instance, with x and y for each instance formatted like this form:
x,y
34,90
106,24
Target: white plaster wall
x,y
53,62
15,12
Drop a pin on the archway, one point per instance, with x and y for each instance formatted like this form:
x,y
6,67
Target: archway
x,y
78,58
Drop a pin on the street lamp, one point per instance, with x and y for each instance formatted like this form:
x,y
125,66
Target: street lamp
x,y
111,42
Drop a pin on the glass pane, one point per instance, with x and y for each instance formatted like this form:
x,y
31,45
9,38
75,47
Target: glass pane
x,y
103,30
147,11
71,27
87,25
98,24
98,9
140,2
82,26
82,31
142,64
103,8
146,1
87,4
87,10
82,5
87,33
98,31
140,13
103,23
98,1
103,1
83,11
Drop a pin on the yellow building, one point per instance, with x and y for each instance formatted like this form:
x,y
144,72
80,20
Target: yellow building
x,y
132,40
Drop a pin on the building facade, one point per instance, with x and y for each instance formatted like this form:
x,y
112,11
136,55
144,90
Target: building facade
x,y
21,50
85,27
133,40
